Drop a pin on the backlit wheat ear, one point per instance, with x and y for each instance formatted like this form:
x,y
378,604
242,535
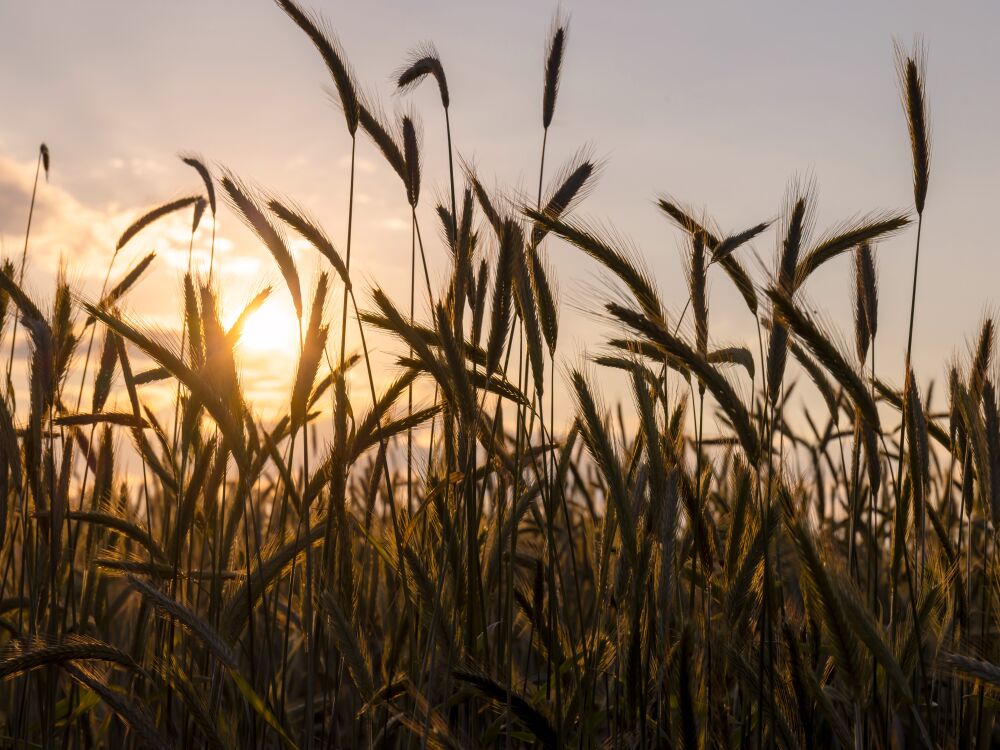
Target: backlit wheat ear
x,y
910,68
602,449
791,245
684,219
699,298
22,655
657,334
527,307
805,327
130,278
236,329
25,305
733,355
511,243
554,52
105,373
729,244
198,165
571,185
424,61
862,331
546,295
246,205
610,252
919,456
411,157
982,358
447,225
818,377
796,227
191,620
336,63
464,245
299,220
879,225
373,122
992,423
153,215
482,196
826,604
553,65
312,353
137,720
867,284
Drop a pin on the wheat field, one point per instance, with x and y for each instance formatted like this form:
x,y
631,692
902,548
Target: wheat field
x,y
716,562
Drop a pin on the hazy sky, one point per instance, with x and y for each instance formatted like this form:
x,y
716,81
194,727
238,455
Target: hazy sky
x,y
719,105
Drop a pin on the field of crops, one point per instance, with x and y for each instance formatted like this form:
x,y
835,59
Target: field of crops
x,y
722,567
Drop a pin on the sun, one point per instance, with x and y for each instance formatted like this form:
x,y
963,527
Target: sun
x,y
271,329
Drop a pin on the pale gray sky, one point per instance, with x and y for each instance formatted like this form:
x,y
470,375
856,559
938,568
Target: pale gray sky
x,y
717,104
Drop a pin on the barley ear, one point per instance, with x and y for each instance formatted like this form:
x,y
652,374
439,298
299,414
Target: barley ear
x,y
554,52
910,68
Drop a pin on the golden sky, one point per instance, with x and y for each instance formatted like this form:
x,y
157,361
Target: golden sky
x,y
719,106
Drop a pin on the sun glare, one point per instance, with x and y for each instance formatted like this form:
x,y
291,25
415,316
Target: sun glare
x,y
272,328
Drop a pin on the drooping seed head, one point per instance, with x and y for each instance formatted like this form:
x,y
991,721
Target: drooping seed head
x,y
246,203
424,61
336,61
198,164
482,197
383,136
153,215
296,217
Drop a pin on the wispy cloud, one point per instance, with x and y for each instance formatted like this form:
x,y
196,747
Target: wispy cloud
x,y
62,225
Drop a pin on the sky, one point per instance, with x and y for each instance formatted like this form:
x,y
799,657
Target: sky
x,y
719,105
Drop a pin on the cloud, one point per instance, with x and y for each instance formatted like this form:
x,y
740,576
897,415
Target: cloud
x,y
361,164
61,227
394,224
65,230
138,167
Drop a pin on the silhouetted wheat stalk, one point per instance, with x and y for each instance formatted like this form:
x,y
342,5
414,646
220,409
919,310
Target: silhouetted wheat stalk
x,y
43,161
